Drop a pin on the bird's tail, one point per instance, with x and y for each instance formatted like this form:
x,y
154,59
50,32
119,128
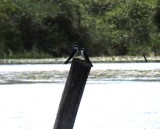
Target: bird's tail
x,y
67,61
90,63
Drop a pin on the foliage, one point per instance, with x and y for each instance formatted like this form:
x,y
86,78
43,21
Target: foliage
x,y
8,28
132,26
124,28
104,27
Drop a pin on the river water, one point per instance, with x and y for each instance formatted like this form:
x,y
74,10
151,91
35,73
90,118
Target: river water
x,y
116,96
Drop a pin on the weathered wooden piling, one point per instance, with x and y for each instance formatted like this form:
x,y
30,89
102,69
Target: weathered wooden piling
x,y
72,94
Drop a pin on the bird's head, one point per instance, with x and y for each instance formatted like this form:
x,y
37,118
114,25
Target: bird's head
x,y
75,46
82,49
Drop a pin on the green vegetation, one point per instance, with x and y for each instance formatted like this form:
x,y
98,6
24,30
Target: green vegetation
x,y
49,28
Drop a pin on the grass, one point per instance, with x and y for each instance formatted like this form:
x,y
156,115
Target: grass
x,y
34,53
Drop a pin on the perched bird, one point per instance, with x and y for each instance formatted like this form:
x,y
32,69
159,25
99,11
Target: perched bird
x,y
85,56
73,53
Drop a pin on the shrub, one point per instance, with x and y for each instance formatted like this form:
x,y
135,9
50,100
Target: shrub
x,y
124,29
8,28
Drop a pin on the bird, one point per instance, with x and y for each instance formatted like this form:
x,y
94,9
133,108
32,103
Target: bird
x,y
73,53
85,56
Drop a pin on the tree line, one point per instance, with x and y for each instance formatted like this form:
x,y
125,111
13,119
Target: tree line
x,y
49,28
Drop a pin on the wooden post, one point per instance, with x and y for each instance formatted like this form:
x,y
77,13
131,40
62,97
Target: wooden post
x,y
72,94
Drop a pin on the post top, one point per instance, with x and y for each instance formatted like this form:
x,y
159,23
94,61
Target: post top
x,y
82,62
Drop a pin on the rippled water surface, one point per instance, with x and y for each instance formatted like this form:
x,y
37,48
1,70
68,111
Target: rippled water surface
x,y
57,73
116,96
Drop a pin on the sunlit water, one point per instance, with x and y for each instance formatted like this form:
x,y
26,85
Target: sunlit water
x,y
116,96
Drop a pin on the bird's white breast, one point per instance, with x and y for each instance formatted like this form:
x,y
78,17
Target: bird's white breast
x,y
76,51
82,54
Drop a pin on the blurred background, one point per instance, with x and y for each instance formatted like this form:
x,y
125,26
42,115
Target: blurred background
x,y
49,28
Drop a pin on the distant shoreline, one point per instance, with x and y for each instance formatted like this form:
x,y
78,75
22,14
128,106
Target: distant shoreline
x,y
104,59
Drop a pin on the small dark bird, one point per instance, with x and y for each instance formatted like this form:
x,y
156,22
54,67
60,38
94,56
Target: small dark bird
x,y
73,54
145,57
85,56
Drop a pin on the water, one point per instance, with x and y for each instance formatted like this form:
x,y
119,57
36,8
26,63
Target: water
x,y
100,73
116,96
